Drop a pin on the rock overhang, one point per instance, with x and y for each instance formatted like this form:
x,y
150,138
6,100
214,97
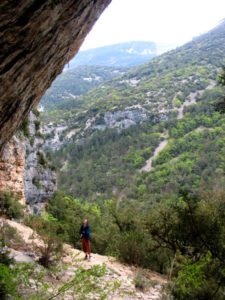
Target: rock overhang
x,y
38,38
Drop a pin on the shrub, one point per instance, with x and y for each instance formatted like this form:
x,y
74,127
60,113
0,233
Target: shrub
x,y
133,248
36,112
10,206
8,285
50,249
177,102
193,227
141,282
42,159
37,125
10,236
25,127
197,279
5,254
36,182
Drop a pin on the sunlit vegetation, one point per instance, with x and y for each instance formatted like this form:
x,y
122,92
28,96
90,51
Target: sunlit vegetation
x,y
170,219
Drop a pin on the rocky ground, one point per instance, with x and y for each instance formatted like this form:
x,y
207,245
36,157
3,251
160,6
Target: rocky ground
x,y
118,280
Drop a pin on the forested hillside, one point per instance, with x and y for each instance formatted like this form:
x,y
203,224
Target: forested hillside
x,y
145,160
168,99
75,82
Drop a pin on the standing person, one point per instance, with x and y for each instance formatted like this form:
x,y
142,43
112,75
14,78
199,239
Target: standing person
x,y
85,236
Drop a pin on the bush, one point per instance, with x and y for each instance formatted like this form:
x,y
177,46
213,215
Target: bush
x,y
10,236
37,125
25,127
196,279
42,159
194,228
36,112
5,254
10,206
8,285
133,248
141,281
50,250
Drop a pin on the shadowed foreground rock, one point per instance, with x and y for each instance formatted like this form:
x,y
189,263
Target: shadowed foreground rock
x,y
37,39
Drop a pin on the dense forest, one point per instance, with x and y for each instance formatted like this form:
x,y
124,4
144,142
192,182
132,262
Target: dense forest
x,y
153,191
99,164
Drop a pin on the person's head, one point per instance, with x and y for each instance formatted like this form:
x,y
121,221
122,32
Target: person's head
x,y
85,222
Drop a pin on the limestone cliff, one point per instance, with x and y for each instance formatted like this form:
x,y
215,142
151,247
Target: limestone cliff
x,y
24,169
12,165
39,178
37,39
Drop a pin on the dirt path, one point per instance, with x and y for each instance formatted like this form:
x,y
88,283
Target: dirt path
x,y
73,259
123,273
148,166
191,99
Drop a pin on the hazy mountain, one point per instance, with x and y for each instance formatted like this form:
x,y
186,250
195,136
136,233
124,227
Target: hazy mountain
x,y
119,55
91,68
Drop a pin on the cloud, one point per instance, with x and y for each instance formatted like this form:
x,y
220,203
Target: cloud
x,y
161,21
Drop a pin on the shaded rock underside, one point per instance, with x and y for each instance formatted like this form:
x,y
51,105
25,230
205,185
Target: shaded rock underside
x,y
37,39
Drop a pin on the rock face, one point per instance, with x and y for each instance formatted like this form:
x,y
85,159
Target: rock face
x,y
61,134
125,119
37,39
24,169
39,178
122,119
12,166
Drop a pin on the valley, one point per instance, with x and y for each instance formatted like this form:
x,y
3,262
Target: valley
x,y
142,154
114,129
138,150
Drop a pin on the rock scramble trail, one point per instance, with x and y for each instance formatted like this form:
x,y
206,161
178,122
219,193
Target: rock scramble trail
x,y
191,100
72,259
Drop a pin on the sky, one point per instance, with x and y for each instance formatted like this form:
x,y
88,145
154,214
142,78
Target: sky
x,y
172,22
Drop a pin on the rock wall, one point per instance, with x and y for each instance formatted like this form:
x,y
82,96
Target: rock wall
x,y
12,166
37,39
24,169
39,178
123,119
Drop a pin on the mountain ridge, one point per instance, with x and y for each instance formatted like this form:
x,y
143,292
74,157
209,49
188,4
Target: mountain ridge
x,y
117,55
146,97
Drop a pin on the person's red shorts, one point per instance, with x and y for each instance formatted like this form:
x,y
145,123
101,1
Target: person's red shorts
x,y
86,246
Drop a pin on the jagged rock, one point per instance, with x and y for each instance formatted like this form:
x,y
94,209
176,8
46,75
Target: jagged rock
x,y
37,39
12,166
39,179
23,172
21,257
125,119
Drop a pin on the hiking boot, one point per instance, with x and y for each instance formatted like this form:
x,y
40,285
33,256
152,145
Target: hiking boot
x,y
86,257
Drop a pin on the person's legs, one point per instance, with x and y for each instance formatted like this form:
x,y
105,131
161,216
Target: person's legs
x,y
88,247
84,247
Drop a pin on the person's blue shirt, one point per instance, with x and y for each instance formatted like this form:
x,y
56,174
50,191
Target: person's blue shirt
x,y
85,232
